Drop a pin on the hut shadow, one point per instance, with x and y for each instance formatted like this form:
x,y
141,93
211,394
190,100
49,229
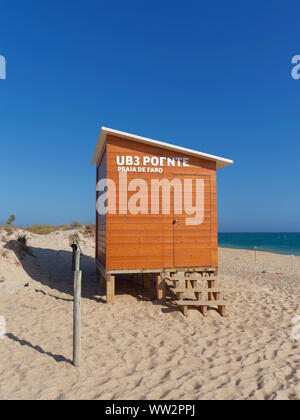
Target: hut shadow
x,y
53,269
57,357
130,285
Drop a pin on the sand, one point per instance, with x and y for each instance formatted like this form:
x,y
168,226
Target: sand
x,y
137,348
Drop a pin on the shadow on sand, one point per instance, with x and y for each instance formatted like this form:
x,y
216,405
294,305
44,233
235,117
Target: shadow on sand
x,y
57,357
54,269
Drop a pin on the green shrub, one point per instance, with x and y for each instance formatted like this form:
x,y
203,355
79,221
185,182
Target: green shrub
x,y
11,219
41,229
76,225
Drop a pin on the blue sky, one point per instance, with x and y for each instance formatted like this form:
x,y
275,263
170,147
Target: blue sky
x,y
214,76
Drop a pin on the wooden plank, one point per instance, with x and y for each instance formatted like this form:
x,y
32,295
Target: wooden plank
x,y
191,259
201,302
141,239
110,288
198,289
133,250
203,310
139,263
185,310
157,269
222,310
198,295
146,281
216,283
211,284
160,286
179,296
200,278
136,219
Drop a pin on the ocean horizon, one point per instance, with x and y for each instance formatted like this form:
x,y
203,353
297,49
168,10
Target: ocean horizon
x,y
276,242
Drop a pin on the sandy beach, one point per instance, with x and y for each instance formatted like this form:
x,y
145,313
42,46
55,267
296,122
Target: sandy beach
x,y
137,348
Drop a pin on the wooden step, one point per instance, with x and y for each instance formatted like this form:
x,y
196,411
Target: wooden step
x,y
198,290
200,303
192,278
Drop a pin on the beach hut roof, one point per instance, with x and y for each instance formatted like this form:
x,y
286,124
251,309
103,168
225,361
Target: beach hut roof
x,y
220,162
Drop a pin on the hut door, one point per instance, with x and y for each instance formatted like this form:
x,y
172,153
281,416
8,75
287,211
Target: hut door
x,y
193,242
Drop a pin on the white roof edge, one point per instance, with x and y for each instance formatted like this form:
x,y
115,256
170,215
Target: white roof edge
x,y
220,162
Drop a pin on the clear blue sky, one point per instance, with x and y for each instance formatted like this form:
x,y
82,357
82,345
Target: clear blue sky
x,y
214,76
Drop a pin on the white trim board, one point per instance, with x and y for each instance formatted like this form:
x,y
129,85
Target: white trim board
x,y
220,162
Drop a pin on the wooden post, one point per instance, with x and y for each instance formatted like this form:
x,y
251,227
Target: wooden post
x,y
216,284
210,285
110,288
146,281
185,310
160,286
203,310
222,310
77,318
74,249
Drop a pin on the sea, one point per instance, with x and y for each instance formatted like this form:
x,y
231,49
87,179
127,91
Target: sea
x,y
279,243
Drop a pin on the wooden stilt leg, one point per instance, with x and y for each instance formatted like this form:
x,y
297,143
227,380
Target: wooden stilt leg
x,y
222,310
188,284
160,286
216,295
146,281
194,283
203,310
210,285
198,295
110,289
185,310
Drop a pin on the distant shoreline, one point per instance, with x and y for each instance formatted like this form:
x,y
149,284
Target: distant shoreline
x,y
283,243
258,250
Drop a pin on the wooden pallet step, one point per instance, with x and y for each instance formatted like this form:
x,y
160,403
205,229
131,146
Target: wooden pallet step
x,y
209,278
198,290
200,302
195,270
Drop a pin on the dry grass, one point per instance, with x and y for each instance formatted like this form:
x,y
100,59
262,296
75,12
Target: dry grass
x,y
3,254
9,230
88,230
76,225
45,229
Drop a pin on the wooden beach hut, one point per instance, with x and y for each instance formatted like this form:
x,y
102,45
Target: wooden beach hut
x,y
156,212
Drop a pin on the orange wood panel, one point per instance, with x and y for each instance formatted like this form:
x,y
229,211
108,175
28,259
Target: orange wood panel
x,y
151,240
186,249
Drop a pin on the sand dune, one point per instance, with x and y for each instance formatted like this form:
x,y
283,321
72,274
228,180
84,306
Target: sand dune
x,y
137,348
